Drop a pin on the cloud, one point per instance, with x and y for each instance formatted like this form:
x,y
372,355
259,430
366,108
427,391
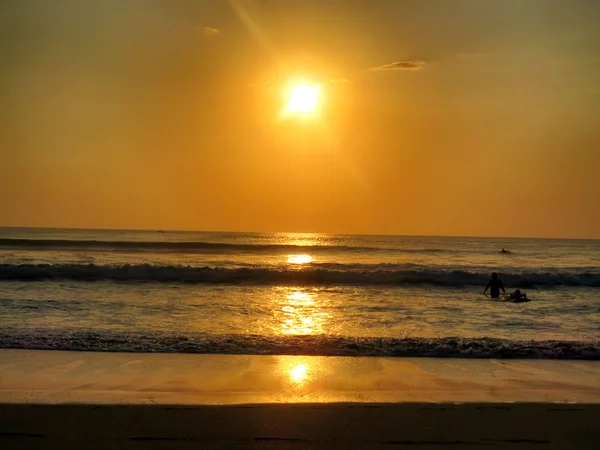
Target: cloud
x,y
401,65
209,31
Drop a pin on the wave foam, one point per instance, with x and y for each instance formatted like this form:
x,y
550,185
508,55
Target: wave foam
x,y
451,347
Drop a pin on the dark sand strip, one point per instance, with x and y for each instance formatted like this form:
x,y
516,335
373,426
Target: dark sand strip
x,y
300,426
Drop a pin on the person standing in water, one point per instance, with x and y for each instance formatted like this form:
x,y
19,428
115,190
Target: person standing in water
x,y
494,286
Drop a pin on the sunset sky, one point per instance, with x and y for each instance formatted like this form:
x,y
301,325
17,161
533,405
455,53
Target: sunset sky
x,y
466,117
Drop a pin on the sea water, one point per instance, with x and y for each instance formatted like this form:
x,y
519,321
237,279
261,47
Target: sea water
x,y
295,293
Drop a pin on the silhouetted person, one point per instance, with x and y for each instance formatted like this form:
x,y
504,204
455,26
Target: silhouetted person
x,y
494,286
505,251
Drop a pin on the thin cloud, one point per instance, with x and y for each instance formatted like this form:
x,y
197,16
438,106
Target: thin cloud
x,y
209,31
401,65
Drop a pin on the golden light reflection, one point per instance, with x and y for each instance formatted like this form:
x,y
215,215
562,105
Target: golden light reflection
x,y
301,314
299,259
301,239
299,373
301,298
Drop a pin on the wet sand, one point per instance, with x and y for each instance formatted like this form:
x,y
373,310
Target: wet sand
x,y
77,400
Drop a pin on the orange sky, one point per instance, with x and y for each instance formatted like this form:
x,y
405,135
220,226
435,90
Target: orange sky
x,y
437,117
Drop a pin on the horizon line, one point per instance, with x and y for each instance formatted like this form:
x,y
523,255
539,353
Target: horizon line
x,y
296,232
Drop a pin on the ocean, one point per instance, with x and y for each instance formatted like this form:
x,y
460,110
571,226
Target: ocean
x,y
296,293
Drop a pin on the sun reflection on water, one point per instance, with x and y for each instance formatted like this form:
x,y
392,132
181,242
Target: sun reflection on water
x,y
302,314
301,239
299,373
299,259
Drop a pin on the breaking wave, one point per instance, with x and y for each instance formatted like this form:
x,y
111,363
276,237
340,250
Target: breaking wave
x,y
306,276
451,347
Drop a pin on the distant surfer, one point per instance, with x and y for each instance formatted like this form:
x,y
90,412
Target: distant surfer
x,y
494,286
505,251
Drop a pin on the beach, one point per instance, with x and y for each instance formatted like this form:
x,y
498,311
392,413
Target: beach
x,y
54,399
317,224
137,339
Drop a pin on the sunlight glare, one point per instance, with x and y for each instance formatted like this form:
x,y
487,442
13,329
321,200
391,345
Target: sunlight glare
x,y
300,298
301,314
299,259
299,373
302,99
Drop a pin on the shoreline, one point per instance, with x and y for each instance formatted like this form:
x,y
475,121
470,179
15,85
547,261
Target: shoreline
x,y
191,343
57,377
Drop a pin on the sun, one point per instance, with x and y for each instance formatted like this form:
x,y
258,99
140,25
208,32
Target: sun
x,y
302,99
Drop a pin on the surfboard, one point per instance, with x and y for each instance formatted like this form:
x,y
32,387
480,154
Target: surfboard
x,y
507,298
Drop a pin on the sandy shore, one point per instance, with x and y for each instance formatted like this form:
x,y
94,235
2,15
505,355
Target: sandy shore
x,y
73,400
